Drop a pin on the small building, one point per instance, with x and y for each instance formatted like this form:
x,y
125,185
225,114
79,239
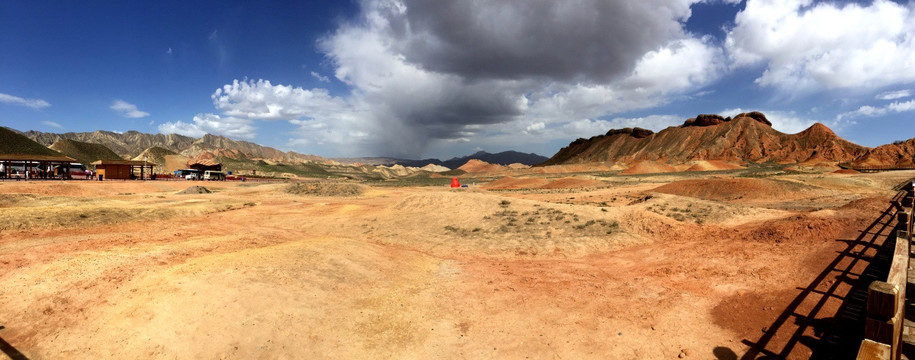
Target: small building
x,y
123,169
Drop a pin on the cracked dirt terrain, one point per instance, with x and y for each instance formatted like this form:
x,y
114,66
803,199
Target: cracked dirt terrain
x,y
699,268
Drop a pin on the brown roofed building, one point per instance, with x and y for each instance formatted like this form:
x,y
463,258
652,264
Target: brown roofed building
x,y
123,169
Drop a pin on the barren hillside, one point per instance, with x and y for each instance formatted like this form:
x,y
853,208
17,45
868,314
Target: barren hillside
x,y
746,138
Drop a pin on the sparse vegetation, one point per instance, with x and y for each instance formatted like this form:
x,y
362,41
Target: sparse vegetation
x,y
325,188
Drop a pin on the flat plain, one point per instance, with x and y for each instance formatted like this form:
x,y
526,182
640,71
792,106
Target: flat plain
x,y
692,265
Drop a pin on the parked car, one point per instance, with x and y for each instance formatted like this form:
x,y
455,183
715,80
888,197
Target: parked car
x,y
188,174
213,175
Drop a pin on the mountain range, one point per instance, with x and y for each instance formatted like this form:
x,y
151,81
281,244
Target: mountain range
x,y
745,138
131,144
501,158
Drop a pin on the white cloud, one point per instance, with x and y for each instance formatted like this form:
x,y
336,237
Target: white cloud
x,y
52,124
169,51
680,65
203,124
36,104
893,95
871,111
902,106
262,100
320,77
788,122
807,46
128,110
535,128
587,127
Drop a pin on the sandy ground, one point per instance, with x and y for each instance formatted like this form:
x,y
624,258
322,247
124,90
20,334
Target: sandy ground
x,y
646,268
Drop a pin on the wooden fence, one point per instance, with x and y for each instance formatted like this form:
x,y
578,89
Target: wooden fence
x,y
883,327
874,168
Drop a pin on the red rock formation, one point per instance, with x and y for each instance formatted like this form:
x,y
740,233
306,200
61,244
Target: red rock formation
x,y
900,153
748,137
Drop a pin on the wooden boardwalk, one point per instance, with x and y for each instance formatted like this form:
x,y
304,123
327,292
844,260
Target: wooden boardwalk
x,y
908,330
870,169
889,331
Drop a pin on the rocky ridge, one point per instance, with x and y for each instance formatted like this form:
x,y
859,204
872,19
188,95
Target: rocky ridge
x,y
131,144
745,138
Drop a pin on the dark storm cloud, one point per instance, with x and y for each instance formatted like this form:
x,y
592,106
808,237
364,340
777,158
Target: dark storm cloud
x,y
451,71
591,41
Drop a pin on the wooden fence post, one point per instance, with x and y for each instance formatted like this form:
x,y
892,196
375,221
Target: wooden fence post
x,y
903,218
881,310
871,350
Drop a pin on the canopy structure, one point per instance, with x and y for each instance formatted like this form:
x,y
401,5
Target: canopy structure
x,y
123,169
35,166
204,165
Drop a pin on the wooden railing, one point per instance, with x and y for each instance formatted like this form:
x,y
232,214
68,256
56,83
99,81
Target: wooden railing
x,y
886,299
874,168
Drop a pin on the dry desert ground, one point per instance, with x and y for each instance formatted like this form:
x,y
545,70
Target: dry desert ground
x,y
705,266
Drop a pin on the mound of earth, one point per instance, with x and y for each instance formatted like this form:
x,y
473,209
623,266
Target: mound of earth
x,y
572,183
195,190
846,171
713,165
324,188
435,168
512,183
733,189
648,167
573,168
393,171
476,166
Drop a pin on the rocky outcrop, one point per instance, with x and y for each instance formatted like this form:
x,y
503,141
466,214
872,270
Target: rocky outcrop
x,y
637,133
713,119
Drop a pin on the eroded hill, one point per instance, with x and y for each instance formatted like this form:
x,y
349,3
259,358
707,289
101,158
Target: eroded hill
x,y
747,138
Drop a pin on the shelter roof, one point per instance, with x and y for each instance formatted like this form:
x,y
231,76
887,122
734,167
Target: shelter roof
x,y
30,157
122,162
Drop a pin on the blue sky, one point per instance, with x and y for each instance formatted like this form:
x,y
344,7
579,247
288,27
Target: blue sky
x,y
416,79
